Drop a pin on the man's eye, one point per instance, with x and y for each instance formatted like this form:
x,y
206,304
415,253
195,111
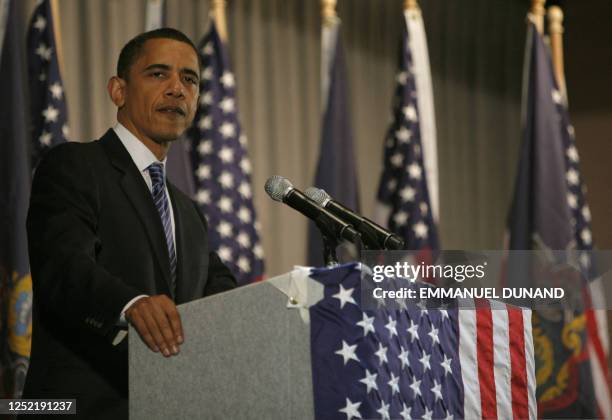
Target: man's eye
x,y
192,80
157,74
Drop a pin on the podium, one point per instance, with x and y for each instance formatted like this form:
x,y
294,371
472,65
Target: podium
x,y
246,355
306,345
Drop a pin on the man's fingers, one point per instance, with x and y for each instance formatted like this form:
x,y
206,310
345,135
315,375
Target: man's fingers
x,y
150,317
161,317
141,317
142,329
158,322
175,322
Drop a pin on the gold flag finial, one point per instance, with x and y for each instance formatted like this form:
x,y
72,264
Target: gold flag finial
x,y
218,14
555,28
328,11
555,20
537,14
411,5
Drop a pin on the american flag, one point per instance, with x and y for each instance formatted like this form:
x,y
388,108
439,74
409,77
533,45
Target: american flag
x,y
576,191
222,170
469,360
49,115
581,223
403,184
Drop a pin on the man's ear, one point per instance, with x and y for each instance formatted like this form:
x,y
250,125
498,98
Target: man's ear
x,y
116,90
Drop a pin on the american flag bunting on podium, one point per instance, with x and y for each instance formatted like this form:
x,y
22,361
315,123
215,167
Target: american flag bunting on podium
x,y
418,362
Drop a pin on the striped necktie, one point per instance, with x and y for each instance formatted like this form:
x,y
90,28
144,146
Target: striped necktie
x,y
156,170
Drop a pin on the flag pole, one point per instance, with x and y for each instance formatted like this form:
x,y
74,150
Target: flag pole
x,y
555,28
218,10
537,14
411,5
328,12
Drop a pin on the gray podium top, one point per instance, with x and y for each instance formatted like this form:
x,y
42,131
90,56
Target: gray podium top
x,y
246,355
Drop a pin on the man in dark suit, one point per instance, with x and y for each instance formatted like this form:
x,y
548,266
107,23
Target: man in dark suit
x,y
112,242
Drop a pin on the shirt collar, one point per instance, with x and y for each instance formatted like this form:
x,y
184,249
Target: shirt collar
x,y
141,155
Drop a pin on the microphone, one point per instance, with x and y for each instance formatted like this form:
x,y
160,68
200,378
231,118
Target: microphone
x,y
280,189
374,236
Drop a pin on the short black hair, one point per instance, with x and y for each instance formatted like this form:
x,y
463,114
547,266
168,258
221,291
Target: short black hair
x,y
133,49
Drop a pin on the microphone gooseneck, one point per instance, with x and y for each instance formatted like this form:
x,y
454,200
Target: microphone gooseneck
x,y
280,189
373,235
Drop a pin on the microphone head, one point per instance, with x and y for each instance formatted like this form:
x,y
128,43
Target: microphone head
x,y
317,195
278,187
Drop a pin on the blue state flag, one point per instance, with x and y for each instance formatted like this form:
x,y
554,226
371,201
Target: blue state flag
x,y
548,213
336,169
15,280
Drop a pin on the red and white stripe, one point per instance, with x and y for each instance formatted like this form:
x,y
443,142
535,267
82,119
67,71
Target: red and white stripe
x,y
497,361
598,347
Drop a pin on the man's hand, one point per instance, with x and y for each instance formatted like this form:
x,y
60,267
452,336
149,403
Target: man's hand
x,y
158,323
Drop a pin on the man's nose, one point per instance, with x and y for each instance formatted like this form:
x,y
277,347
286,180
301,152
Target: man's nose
x,y
175,87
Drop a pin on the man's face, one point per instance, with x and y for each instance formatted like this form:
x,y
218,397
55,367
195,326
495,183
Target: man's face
x,y
159,99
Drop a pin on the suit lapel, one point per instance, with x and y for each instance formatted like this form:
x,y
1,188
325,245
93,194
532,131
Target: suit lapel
x,y
138,194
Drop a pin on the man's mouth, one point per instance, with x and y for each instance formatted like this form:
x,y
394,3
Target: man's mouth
x,y
172,110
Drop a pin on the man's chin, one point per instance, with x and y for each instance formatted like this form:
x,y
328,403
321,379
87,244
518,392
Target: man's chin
x,y
168,137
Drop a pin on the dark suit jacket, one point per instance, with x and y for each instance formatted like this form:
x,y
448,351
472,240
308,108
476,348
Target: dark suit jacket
x,y
96,241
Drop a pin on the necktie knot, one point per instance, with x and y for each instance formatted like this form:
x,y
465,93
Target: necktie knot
x,y
156,171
